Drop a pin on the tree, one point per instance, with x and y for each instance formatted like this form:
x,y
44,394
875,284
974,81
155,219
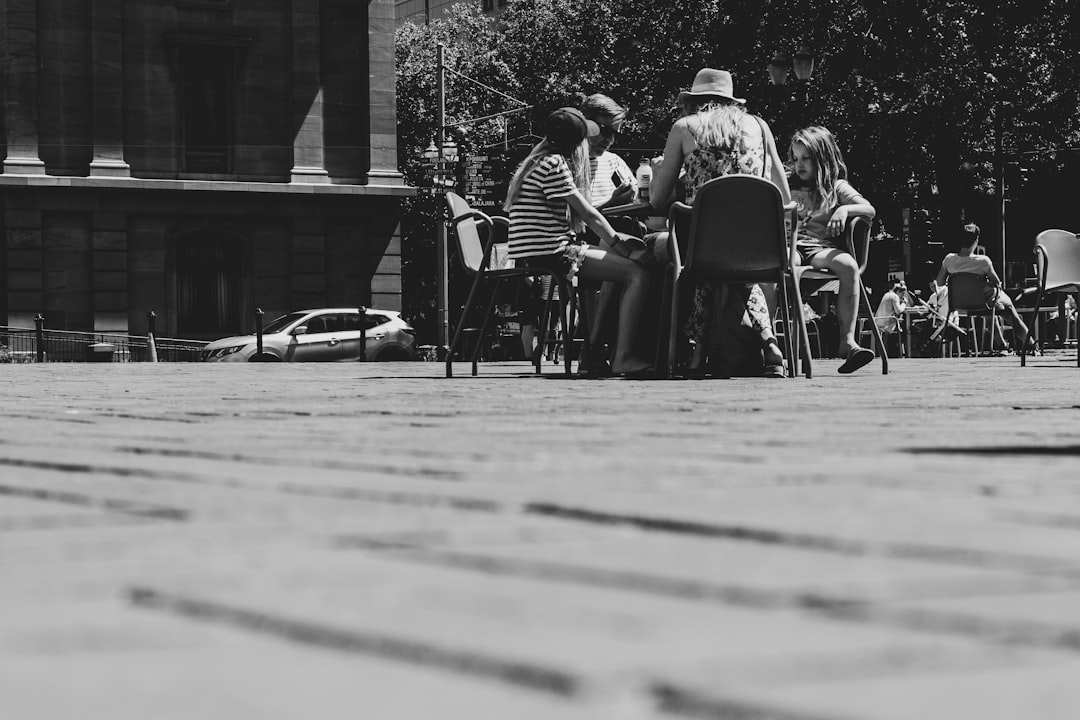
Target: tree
x,y
949,91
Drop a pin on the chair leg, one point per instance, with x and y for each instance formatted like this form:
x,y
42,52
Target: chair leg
x,y
482,336
785,314
673,321
477,279
797,334
582,318
545,325
869,310
567,309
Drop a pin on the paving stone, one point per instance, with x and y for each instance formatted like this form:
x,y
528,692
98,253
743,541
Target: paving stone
x,y
199,540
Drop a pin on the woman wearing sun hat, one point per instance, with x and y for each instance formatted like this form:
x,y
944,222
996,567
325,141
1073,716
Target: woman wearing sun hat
x,y
548,205
715,136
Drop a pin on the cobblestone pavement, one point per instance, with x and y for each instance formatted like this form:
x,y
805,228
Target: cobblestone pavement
x,y
375,541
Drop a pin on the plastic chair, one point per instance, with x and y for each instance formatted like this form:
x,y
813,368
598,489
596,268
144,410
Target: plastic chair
x,y
734,233
1057,268
967,296
476,256
856,237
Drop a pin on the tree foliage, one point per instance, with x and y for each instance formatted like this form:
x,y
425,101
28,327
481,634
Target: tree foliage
x,y
929,89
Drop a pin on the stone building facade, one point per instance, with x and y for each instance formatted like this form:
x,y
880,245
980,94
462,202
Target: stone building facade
x,y
196,158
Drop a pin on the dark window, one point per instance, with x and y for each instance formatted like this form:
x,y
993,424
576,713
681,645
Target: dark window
x,y
208,271
488,4
206,107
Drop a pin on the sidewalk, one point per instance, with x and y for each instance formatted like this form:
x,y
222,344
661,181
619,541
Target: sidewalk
x,y
375,541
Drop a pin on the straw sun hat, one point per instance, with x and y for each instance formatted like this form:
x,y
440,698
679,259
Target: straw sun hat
x,y
711,83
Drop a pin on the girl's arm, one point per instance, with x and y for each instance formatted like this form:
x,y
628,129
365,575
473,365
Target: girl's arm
x,y
851,205
592,217
666,173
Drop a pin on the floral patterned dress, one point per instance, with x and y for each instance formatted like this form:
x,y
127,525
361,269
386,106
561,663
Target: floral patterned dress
x,y
702,165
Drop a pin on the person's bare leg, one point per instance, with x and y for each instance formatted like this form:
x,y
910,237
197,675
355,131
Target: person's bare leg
x,y
847,272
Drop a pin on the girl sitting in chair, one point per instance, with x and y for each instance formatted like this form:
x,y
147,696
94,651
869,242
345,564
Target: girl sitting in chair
x,y
825,201
548,208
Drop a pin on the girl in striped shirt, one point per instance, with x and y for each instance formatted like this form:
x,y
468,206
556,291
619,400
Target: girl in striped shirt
x,y
548,206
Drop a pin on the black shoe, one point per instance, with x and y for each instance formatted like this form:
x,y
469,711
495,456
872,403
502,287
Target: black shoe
x,y
595,371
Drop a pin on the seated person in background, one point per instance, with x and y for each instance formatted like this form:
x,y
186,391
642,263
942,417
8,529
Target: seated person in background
x,y
966,261
890,308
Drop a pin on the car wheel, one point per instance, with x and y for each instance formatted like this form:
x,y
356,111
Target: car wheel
x,y
265,357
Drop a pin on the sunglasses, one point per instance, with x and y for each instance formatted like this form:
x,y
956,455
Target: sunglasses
x,y
607,130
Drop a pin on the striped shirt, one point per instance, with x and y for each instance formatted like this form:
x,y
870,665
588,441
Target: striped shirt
x,y
601,169
540,215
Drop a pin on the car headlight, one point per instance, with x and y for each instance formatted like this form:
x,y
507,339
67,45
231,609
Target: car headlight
x,y
225,352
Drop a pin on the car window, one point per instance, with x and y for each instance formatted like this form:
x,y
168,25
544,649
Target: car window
x,y
374,320
352,321
333,323
316,324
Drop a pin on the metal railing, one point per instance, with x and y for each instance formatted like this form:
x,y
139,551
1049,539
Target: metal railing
x,y
39,345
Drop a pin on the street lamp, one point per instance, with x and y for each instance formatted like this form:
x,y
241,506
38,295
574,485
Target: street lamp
x,y
803,65
802,62
778,68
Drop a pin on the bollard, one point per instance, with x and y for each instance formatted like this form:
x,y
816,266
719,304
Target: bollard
x,y
363,334
39,333
151,345
258,332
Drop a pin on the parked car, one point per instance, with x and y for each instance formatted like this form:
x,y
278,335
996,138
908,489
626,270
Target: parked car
x,y
323,335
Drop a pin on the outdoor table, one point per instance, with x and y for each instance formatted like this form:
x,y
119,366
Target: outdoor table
x,y
638,208
908,321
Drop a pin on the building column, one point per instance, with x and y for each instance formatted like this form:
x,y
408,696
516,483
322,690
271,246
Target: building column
x,y
309,165
106,59
18,25
382,96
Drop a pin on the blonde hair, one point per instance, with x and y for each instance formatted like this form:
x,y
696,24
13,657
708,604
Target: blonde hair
x,y
577,160
829,163
721,124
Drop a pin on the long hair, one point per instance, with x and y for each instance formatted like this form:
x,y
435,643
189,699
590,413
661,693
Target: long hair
x,y
577,158
829,163
721,124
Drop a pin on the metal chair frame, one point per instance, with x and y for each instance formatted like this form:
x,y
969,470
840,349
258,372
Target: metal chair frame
x,y
476,256
733,233
1057,267
856,237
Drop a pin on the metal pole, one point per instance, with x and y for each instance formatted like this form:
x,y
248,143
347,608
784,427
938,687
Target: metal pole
x,y
150,342
39,336
999,166
363,334
440,226
258,332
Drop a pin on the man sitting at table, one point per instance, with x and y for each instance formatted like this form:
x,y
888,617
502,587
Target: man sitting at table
x,y
890,310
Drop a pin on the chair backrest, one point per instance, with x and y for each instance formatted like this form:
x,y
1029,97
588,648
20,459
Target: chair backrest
x,y
467,232
736,231
1061,250
858,231
967,292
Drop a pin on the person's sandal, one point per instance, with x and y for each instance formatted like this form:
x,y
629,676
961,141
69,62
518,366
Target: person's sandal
x,y
857,358
775,371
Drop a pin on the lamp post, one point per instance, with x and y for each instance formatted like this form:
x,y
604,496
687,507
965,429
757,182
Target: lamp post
x,y
802,62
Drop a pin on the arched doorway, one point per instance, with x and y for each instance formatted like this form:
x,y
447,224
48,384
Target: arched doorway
x,y
209,274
